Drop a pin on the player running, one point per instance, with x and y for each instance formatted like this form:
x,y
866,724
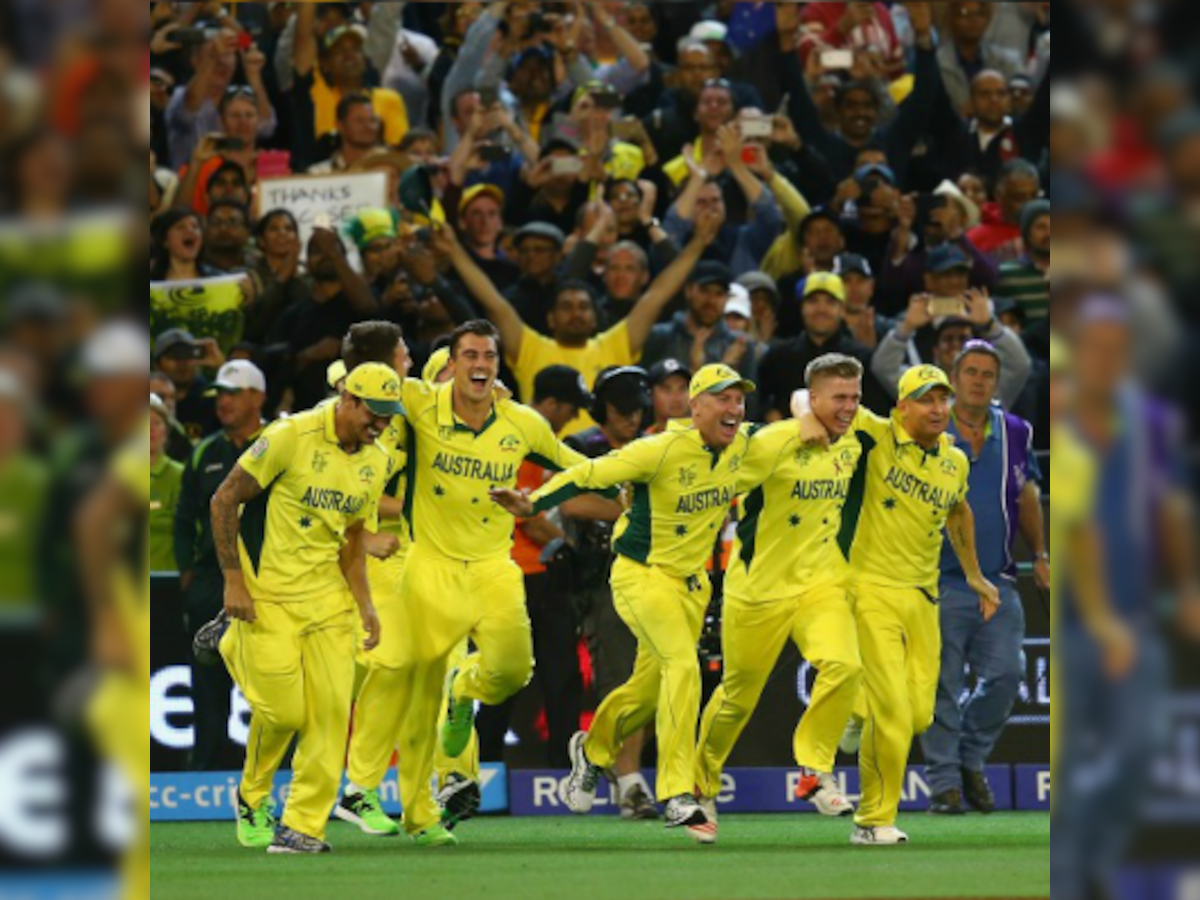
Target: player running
x,y
377,713
459,578
787,577
683,482
288,531
913,484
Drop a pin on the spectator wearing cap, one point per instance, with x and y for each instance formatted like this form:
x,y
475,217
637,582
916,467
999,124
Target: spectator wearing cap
x,y
180,357
865,323
700,335
965,52
359,132
740,316
312,328
1027,278
481,222
374,232
559,393
240,389
538,248
112,375
998,235
1005,499
992,135
944,218
573,319
940,335
23,497
669,381
166,476
859,105
822,297
337,65
196,108
739,245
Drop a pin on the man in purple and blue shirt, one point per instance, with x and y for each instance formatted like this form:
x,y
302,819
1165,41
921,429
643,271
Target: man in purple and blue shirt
x,y
1005,497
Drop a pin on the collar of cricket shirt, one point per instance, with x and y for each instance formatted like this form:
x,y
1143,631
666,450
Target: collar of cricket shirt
x,y
446,416
902,437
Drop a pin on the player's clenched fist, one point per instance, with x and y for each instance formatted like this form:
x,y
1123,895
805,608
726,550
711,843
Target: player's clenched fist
x,y
238,602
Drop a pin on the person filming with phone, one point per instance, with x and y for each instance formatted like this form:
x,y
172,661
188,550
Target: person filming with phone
x,y
943,318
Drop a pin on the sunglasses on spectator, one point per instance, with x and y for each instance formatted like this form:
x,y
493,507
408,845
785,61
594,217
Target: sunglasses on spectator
x,y
722,83
240,90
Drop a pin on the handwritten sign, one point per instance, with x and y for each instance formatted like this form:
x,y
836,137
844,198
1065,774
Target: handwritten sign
x,y
338,197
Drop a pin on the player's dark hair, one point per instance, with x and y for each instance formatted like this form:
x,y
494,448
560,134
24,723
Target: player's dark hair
x,y
230,203
832,365
858,84
260,227
574,284
480,327
373,341
416,134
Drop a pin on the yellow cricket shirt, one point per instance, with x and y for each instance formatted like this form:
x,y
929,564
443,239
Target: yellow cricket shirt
x,y
791,513
1073,474
610,348
682,491
906,495
388,105
131,590
291,534
451,468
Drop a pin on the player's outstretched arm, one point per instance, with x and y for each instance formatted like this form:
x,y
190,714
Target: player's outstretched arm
x,y
960,526
238,487
353,561
514,501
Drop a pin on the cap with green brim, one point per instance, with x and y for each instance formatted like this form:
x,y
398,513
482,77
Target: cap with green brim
x,y
378,386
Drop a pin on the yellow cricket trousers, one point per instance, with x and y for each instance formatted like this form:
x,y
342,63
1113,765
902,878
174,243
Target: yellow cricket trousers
x,y
377,707
443,602
753,633
901,644
666,615
295,664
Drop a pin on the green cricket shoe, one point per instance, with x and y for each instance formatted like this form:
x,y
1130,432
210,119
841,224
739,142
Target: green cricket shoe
x,y
256,827
365,811
460,720
435,836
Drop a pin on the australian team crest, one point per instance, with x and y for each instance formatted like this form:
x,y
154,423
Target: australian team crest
x,y
446,432
510,443
687,476
319,462
735,462
366,474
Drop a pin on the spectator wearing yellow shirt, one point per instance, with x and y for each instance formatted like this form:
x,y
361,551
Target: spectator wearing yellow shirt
x,y
572,318
340,68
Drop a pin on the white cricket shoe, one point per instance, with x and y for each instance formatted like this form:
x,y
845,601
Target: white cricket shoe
x,y
579,791
877,836
822,791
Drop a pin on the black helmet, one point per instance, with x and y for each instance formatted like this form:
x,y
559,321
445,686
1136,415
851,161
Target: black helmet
x,y
625,387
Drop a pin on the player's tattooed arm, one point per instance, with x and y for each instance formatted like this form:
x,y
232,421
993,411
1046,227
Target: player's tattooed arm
x,y
960,528
238,487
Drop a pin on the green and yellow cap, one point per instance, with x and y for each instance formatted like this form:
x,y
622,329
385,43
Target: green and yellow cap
x,y
828,282
438,360
920,380
378,386
716,377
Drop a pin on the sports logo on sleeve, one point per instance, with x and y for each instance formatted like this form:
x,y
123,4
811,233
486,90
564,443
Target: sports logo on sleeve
x,y
259,448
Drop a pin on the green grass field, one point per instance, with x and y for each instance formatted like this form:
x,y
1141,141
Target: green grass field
x,y
765,856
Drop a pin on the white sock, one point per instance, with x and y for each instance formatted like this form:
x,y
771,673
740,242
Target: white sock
x,y
625,782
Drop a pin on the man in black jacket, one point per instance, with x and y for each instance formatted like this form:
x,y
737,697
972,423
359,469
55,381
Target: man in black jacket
x,y
823,301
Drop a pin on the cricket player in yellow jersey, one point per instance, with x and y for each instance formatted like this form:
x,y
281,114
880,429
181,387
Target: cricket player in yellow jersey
x,y
787,578
683,481
111,528
288,531
377,713
459,579
913,483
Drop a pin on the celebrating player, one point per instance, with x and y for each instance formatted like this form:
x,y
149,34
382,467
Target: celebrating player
x,y
294,564
459,578
787,578
683,483
915,485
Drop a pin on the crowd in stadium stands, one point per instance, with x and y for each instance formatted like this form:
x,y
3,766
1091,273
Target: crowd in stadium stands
x,y
618,184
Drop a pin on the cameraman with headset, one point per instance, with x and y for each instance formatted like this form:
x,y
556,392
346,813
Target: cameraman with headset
x,y
621,397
